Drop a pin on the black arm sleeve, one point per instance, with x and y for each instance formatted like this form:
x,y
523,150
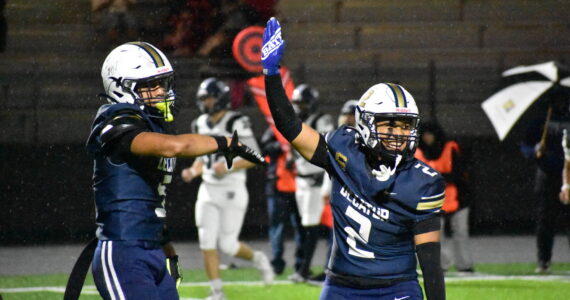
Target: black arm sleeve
x,y
429,256
320,157
287,121
282,111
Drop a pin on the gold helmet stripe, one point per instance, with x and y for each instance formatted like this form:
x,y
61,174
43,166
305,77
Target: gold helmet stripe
x,y
398,95
158,61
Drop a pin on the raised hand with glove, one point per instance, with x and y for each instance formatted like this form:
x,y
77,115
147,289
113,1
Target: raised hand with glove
x,y
273,46
286,121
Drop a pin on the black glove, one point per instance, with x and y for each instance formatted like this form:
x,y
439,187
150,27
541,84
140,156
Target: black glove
x,y
174,269
238,149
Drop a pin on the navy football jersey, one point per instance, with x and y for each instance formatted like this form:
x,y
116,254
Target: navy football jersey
x,y
373,219
129,190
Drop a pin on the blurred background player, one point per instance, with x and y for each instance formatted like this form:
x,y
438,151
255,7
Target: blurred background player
x,y
346,118
281,202
309,177
445,157
222,196
134,159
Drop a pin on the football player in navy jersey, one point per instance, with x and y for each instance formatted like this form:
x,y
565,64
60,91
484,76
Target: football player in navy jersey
x,y
386,204
134,158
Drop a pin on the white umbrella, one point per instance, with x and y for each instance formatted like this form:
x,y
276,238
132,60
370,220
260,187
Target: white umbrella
x,y
524,85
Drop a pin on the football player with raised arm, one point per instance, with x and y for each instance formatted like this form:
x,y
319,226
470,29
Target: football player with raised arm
x,y
222,196
385,203
134,158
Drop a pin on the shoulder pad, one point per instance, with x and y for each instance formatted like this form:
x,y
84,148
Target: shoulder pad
x,y
424,168
120,124
343,132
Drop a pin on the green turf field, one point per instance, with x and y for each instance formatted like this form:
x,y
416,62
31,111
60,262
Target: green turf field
x,y
492,281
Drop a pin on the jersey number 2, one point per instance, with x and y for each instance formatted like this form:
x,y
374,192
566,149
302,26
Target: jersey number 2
x,y
362,235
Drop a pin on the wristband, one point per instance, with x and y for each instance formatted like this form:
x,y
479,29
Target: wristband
x,y
565,186
222,143
271,71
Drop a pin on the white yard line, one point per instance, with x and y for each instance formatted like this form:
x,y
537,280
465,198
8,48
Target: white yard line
x,y
91,290
88,290
508,277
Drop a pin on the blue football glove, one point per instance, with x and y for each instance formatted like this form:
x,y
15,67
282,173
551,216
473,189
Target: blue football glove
x,y
272,49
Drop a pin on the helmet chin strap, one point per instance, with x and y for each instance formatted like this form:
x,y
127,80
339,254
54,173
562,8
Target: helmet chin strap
x,y
164,107
384,173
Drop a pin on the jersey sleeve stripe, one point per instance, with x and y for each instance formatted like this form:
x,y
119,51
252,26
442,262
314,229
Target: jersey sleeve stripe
x,y
430,205
434,196
127,116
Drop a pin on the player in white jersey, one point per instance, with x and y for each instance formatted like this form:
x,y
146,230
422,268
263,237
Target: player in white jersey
x,y
309,177
222,196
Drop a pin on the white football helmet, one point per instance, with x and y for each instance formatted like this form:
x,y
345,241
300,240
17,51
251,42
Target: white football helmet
x,y
136,65
387,101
